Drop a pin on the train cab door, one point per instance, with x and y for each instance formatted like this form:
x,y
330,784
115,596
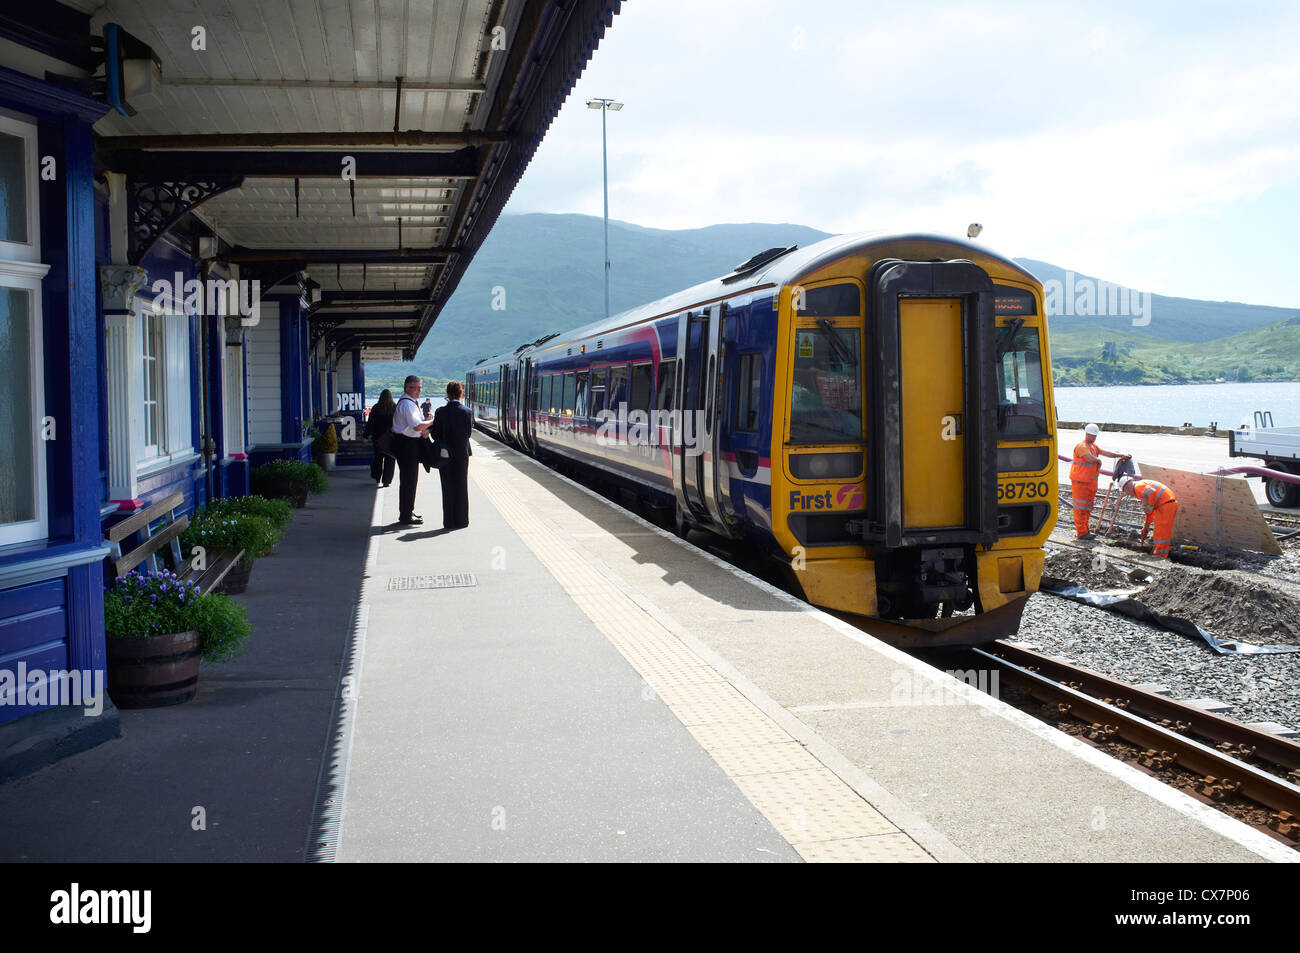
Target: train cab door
x,y
504,401
932,413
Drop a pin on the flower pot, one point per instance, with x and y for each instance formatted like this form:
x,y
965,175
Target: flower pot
x,y
327,461
154,671
236,580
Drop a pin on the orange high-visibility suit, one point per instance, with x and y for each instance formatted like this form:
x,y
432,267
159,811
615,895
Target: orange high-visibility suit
x,y
1083,484
1162,507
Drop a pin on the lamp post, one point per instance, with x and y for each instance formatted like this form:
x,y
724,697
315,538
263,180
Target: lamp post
x,y
603,105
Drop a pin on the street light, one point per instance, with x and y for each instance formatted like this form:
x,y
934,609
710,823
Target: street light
x,y
603,105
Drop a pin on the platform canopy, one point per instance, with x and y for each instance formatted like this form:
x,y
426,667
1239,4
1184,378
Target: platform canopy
x,y
361,147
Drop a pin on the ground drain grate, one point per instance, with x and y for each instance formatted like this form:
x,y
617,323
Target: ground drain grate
x,y
445,580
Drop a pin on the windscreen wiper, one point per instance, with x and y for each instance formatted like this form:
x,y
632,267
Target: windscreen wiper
x,y
837,344
1013,328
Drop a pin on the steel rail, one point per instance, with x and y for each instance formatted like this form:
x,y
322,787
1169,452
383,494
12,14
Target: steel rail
x,y
1272,748
1220,774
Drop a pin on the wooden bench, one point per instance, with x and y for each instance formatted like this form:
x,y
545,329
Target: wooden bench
x,y
155,540
166,536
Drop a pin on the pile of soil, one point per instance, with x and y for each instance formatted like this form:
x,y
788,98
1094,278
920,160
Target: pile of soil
x,y
1091,570
1228,606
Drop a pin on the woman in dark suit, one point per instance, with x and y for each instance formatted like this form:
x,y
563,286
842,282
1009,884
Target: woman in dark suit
x,y
381,421
452,423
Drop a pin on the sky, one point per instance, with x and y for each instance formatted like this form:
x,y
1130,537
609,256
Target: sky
x,y
1148,143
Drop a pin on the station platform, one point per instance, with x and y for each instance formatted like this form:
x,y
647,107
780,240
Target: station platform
x,y
564,681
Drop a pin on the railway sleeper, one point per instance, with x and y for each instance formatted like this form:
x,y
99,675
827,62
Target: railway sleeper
x,y
1285,823
1218,789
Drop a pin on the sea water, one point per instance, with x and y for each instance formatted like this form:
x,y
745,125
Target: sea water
x,y
1172,404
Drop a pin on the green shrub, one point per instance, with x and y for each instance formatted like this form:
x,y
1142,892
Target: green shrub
x,y
145,604
299,471
328,442
279,512
216,532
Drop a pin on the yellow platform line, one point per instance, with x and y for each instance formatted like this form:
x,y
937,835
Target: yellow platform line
x,y
821,816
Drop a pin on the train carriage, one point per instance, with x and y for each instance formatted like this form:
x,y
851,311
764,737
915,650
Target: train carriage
x,y
873,412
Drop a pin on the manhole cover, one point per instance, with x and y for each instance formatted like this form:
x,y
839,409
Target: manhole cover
x,y
445,580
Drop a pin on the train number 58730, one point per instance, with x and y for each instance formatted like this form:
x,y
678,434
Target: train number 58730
x,y
1024,490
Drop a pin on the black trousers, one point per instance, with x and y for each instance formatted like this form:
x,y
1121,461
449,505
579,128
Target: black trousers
x,y
408,470
382,467
454,474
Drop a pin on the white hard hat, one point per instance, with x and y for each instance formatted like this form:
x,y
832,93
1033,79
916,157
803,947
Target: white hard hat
x,y
1124,482
1092,429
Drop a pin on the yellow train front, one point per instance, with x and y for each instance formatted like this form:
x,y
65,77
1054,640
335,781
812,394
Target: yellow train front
x,y
873,412
957,490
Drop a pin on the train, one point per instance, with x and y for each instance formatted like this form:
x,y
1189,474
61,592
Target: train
x,y
870,414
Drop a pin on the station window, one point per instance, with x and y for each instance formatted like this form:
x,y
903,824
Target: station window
x,y
749,382
22,371
1022,407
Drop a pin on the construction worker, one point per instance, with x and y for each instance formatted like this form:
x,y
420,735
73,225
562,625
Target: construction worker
x,y
1085,471
1161,506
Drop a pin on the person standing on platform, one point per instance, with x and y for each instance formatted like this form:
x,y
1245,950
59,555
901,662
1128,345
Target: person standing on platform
x,y
409,428
427,409
1161,506
1085,471
452,424
378,421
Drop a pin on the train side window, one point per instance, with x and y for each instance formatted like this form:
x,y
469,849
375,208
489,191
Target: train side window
x,y
642,384
667,383
618,389
596,402
566,406
580,401
749,387
544,400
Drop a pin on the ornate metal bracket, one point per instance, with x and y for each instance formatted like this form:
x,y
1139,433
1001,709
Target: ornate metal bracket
x,y
321,327
155,205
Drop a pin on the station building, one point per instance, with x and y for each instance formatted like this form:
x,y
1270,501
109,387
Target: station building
x,y
211,216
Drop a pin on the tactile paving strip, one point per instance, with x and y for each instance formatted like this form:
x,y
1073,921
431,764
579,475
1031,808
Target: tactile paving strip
x,y
820,815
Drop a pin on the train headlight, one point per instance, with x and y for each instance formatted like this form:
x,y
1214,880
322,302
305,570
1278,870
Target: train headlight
x,y
1022,459
825,466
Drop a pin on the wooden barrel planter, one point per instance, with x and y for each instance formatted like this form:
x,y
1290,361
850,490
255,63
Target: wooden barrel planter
x,y
154,671
236,580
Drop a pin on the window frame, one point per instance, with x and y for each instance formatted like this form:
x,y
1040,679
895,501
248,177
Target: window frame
x,y
21,269
30,250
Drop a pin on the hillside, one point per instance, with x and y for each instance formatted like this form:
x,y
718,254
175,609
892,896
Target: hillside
x,y
549,268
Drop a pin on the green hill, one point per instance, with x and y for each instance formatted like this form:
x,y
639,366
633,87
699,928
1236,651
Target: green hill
x,y
549,269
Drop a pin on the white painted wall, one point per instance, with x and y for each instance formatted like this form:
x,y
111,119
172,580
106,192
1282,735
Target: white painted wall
x,y
263,343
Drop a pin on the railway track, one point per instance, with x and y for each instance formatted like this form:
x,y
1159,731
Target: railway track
x,y
1166,733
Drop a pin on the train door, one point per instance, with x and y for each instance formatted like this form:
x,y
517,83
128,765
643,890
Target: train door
x,y
932,413
529,405
688,448
504,401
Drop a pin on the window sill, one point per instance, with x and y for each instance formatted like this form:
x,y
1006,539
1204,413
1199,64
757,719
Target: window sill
x,y
146,468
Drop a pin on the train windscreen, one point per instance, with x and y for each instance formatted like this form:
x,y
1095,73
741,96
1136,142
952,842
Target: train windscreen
x,y
1022,408
826,397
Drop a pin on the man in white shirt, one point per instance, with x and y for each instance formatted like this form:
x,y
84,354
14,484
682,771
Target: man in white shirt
x,y
409,428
